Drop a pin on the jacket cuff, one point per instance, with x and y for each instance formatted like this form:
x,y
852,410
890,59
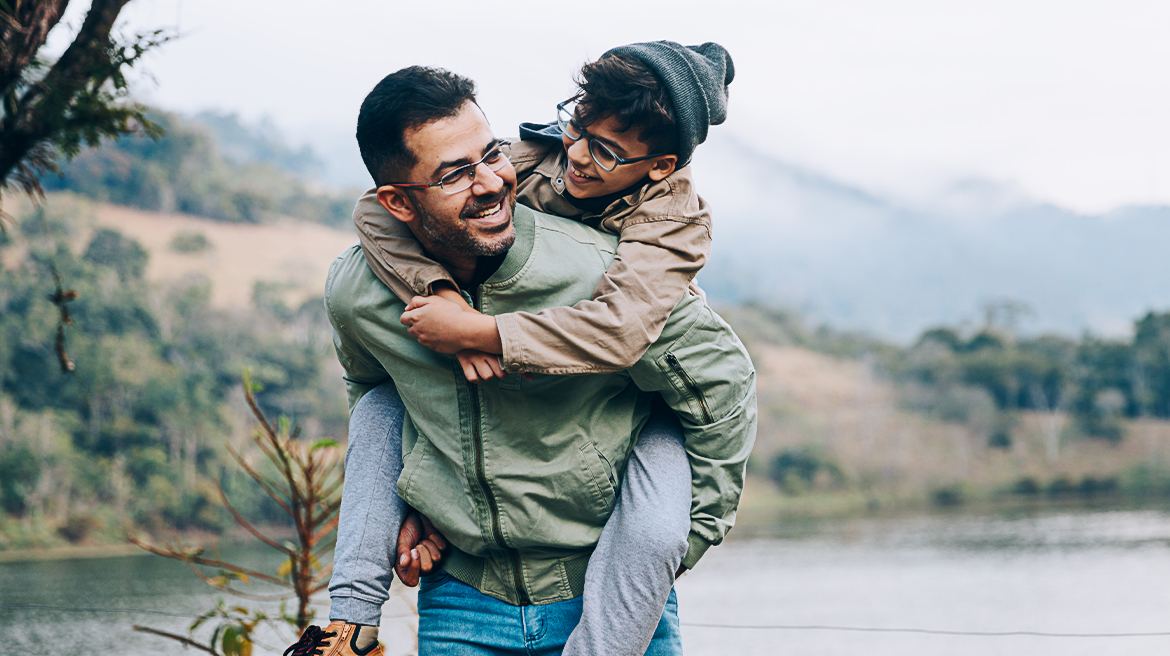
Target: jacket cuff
x,y
355,611
425,281
512,358
696,547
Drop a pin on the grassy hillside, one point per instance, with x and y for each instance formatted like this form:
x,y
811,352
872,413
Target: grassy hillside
x,y
875,453
291,256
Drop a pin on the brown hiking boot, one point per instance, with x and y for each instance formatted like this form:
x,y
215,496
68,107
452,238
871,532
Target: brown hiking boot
x,y
334,640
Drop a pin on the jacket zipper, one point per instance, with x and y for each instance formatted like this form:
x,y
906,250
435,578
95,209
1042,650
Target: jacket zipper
x,y
481,474
690,384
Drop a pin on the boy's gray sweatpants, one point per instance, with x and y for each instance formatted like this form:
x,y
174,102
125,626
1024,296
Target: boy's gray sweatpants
x,y
630,573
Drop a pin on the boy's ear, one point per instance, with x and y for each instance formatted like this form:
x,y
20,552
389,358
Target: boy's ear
x,y
663,167
397,203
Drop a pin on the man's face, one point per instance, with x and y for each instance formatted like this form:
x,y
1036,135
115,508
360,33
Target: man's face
x,y
471,223
585,179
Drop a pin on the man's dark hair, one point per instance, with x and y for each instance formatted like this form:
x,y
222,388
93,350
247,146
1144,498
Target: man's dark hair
x,y
622,86
409,98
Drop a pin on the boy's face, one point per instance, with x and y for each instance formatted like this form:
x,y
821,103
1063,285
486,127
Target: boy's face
x,y
585,179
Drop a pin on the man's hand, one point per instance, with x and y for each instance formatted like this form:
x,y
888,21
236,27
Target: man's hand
x,y
420,548
480,367
436,322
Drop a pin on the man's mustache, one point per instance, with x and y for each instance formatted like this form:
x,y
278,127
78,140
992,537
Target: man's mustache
x,y
476,205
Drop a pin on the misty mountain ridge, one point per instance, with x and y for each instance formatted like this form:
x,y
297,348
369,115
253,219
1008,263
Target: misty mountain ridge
x,y
785,235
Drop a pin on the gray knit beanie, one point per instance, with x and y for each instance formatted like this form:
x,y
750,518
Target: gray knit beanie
x,y
696,77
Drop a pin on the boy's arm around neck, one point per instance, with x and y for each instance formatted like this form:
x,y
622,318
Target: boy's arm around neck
x,y
665,239
393,253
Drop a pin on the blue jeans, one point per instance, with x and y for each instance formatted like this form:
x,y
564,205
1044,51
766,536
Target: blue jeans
x,y
455,619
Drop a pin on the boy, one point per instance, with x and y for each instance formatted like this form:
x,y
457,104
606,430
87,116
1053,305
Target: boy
x,y
617,161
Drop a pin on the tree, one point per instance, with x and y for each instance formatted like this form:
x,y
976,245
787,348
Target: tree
x,y
50,110
307,486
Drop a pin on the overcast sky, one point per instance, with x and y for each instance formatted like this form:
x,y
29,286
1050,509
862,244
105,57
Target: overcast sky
x,y
1068,100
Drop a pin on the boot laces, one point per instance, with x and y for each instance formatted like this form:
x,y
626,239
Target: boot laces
x,y
310,643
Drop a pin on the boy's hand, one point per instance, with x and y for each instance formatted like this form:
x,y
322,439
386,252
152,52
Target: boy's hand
x,y
436,323
449,327
480,367
420,548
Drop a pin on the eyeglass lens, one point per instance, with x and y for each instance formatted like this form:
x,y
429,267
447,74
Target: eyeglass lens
x,y
461,178
600,153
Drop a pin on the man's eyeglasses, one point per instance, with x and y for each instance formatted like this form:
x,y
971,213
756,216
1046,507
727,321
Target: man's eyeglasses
x,y
601,153
461,179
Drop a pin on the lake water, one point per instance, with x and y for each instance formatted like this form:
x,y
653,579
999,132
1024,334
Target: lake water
x,y
1073,572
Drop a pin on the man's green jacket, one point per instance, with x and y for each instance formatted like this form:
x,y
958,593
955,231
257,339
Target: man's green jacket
x,y
520,476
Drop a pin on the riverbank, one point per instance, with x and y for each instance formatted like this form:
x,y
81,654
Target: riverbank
x,y
764,506
71,552
114,547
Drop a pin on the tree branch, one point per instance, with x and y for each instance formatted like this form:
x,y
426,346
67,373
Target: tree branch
x,y
187,642
209,562
248,525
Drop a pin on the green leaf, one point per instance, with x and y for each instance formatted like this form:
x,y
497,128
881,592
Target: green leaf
x,y
324,443
249,384
236,642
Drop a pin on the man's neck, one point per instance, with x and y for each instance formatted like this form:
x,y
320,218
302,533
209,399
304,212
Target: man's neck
x,y
461,269
469,273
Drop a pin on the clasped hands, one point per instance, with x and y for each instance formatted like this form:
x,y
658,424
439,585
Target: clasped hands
x,y
456,329
420,548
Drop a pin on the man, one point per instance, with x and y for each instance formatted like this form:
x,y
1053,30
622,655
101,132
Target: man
x,y
518,475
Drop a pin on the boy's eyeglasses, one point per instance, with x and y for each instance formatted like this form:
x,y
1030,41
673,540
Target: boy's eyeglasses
x,y
601,153
461,179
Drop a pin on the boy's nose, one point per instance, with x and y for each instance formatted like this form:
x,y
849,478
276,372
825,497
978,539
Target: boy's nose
x,y
578,153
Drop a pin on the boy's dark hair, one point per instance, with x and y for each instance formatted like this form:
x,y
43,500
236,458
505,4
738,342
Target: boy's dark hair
x,y
409,98
658,84
622,86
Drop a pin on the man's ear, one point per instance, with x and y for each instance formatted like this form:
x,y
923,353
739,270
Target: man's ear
x,y
397,203
663,166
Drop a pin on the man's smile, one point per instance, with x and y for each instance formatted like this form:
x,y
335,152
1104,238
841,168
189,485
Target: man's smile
x,y
490,214
494,209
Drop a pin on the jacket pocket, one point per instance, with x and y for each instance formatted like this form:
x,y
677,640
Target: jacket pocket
x,y
691,387
709,369
411,464
601,486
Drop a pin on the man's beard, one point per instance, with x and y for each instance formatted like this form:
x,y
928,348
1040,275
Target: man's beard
x,y
456,237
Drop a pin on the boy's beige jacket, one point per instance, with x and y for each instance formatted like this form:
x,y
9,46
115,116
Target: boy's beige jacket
x,y
521,475
665,239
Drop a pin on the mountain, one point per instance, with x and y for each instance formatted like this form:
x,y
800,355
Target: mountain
x,y
788,236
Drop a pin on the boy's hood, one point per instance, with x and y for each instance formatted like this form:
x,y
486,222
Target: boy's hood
x,y
540,132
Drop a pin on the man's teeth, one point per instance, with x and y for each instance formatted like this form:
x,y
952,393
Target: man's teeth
x,y
579,174
488,212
